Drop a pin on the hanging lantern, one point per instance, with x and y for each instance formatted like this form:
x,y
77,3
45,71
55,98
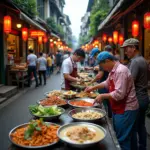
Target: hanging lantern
x,y
121,39
40,39
7,24
147,20
110,39
104,38
25,34
135,28
45,39
115,37
51,44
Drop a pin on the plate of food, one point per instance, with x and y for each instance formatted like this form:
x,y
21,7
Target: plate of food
x,y
35,134
52,100
82,103
81,134
47,113
54,93
87,114
86,94
69,94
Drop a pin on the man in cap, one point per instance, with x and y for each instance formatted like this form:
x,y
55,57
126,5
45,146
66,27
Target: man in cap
x,y
139,70
122,98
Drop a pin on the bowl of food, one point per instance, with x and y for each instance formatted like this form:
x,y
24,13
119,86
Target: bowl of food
x,y
53,100
83,103
69,94
86,94
47,113
81,134
54,93
87,114
35,134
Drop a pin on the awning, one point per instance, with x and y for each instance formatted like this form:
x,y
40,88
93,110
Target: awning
x,y
118,5
27,19
53,34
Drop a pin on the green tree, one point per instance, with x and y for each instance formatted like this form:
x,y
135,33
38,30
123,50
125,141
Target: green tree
x,y
29,6
84,39
99,11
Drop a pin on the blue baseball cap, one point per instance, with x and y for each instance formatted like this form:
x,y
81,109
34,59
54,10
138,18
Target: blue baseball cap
x,y
93,52
103,56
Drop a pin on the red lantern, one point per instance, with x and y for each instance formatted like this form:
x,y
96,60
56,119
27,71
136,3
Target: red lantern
x,y
45,39
40,39
121,39
104,38
51,44
110,39
24,34
135,28
147,20
115,37
7,24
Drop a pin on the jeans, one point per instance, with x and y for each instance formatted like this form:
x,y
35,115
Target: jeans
x,y
32,69
141,129
43,72
48,71
125,128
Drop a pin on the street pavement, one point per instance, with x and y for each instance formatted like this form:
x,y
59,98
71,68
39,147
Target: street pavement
x,y
16,112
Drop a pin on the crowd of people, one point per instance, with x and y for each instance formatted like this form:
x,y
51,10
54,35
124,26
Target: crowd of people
x,y
44,65
122,88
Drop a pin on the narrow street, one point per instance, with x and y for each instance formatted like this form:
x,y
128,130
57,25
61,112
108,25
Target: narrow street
x,y
17,111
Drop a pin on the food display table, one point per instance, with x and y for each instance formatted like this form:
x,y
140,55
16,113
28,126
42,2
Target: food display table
x,y
109,143
19,76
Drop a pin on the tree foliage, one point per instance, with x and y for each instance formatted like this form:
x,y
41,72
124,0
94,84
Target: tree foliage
x,y
58,28
99,11
29,6
84,39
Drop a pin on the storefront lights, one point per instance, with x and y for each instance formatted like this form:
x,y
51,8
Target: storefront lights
x,y
19,25
25,34
135,28
40,40
147,20
115,37
104,38
121,39
110,39
45,39
7,24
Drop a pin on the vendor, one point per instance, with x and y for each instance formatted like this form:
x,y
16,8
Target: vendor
x,y
69,69
122,98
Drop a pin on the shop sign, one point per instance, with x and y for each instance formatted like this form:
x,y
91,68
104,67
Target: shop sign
x,y
37,33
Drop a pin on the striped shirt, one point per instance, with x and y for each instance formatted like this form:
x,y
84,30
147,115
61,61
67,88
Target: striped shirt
x,y
124,86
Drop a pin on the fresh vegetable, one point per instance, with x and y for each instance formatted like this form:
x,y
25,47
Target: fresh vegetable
x,y
39,110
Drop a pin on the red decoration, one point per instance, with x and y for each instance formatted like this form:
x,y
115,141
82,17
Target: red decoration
x,y
7,24
121,39
110,39
24,34
45,39
51,44
135,28
115,37
147,20
40,39
36,33
104,38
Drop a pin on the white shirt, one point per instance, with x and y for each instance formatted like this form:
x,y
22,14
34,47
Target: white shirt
x,y
66,68
42,63
32,59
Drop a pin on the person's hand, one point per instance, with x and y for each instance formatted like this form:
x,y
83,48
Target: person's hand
x,y
98,76
88,89
98,99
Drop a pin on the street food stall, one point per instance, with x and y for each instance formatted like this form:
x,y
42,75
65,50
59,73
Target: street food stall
x,y
65,120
